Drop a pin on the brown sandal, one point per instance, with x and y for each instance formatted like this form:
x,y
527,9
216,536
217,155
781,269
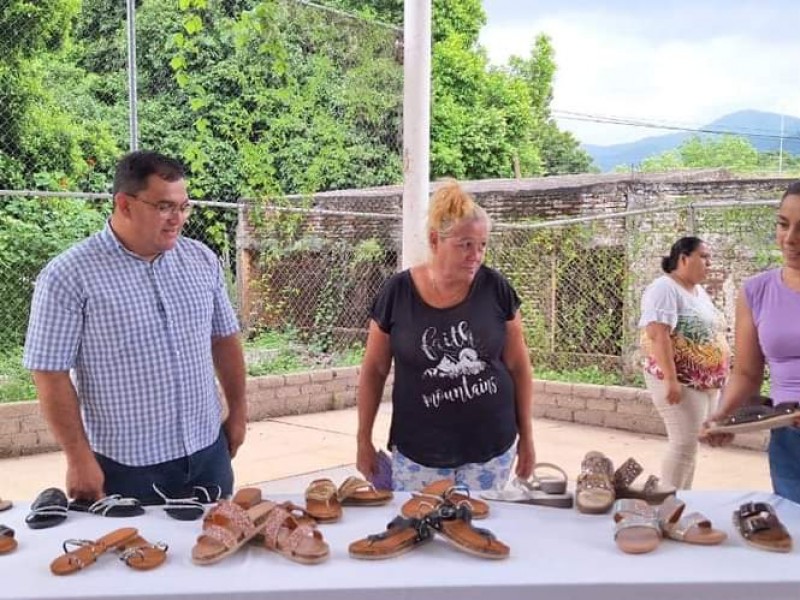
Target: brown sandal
x,y
141,555
355,491
87,551
284,535
693,528
454,523
7,541
652,491
226,528
322,501
401,536
760,527
434,494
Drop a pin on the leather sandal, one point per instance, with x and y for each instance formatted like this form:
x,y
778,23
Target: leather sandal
x,y
453,522
760,527
402,535
48,509
693,528
226,528
355,491
141,555
757,417
652,491
322,501
7,541
284,535
637,529
437,492
594,490
86,552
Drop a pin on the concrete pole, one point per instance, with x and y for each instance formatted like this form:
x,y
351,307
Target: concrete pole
x,y
133,117
416,128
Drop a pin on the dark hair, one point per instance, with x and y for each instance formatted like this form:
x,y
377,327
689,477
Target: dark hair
x,y
134,168
683,247
792,190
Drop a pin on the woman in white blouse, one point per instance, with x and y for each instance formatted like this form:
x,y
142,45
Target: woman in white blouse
x,y
686,355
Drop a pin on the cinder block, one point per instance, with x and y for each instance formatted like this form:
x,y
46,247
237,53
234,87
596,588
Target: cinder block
x,y
297,378
312,388
587,390
557,413
290,391
602,404
621,392
636,407
320,402
270,381
9,426
558,387
317,376
571,402
589,417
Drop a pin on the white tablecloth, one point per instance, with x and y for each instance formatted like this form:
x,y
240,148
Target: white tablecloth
x,y
556,554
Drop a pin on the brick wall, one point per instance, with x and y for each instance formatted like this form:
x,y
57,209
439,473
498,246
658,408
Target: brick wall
x,y
23,431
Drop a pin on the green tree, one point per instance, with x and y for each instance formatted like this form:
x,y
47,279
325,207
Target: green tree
x,y
732,152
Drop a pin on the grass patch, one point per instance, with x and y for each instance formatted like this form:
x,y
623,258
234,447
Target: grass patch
x,y
15,380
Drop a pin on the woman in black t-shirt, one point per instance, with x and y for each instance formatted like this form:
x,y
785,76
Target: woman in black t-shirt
x,y
462,383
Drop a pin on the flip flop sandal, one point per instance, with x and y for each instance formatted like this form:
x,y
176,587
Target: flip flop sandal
x,y
48,509
227,528
208,494
110,506
652,491
594,491
433,494
454,523
637,529
86,551
522,491
5,505
355,491
7,541
181,508
299,543
760,527
141,555
322,501
402,535
758,417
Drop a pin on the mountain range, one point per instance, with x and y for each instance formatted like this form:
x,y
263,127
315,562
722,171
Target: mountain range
x,y
762,129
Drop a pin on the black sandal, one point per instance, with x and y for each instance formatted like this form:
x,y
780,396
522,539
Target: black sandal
x,y
48,510
110,506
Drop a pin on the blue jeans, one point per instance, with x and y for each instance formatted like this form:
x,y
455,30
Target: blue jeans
x,y
784,462
209,466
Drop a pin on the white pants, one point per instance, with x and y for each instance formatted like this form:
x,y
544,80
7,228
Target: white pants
x,y
683,422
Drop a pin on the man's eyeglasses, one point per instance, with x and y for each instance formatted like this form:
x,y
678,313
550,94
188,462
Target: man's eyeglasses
x,y
166,209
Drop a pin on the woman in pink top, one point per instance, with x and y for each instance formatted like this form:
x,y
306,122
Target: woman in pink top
x,y
768,333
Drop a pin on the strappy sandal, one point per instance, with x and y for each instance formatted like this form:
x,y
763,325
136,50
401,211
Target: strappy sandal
x,y
760,527
187,508
110,506
454,524
637,529
355,491
48,509
227,528
652,491
322,501
594,490
693,528
402,535
523,491
7,541
141,555
284,535
300,514
86,552
434,494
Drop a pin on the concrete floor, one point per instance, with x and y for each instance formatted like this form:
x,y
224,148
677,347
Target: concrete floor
x,y
282,455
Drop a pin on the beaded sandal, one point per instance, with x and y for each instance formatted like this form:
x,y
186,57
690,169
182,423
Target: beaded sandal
x,y
652,491
594,491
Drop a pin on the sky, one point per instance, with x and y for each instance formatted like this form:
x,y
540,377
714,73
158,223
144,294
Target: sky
x,y
679,62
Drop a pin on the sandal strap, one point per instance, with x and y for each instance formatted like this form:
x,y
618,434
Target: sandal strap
x,y
400,523
102,506
679,530
321,491
589,481
300,533
223,535
191,503
352,485
138,551
234,515
636,520
53,510
627,473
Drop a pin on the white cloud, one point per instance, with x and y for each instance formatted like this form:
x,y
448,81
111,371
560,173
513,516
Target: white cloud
x,y
620,65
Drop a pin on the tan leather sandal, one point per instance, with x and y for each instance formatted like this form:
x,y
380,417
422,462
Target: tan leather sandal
x,y
355,491
141,555
322,501
86,552
284,535
693,528
437,492
453,522
402,535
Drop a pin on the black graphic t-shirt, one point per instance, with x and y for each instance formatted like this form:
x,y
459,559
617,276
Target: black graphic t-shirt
x,y
453,397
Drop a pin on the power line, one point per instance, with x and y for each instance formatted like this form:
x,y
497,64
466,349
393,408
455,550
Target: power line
x,y
652,124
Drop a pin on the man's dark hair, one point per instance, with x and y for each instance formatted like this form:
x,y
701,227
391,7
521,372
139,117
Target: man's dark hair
x,y
792,190
134,168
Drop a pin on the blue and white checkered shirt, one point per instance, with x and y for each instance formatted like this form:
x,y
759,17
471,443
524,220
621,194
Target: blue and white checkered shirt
x,y
137,336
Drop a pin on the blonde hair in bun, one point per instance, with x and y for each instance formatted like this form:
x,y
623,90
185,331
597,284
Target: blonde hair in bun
x,y
450,205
